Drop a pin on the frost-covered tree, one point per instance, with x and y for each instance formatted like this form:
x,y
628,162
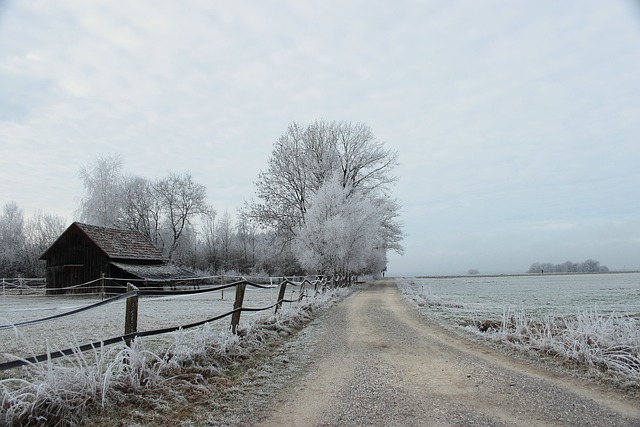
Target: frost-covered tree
x,y
246,243
186,251
41,231
304,158
22,241
344,231
588,266
208,235
224,239
591,266
103,200
163,210
12,240
327,162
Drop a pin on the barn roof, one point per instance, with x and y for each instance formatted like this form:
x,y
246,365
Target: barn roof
x,y
117,244
121,244
156,271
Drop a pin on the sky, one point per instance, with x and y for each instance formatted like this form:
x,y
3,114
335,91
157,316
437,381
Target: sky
x,y
517,124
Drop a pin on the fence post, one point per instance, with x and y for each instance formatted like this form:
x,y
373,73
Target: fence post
x,y
301,291
283,289
131,314
102,286
235,317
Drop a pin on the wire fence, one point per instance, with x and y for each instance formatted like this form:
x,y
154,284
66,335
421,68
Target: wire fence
x,y
23,286
106,286
132,294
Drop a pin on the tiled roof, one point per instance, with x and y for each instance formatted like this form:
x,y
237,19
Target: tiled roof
x,y
121,244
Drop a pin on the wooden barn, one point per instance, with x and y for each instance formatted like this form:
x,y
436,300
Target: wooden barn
x,y
86,254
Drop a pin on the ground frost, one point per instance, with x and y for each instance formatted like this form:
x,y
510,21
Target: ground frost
x,y
207,366
607,341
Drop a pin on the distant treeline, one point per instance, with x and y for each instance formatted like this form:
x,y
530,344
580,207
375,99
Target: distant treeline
x,y
588,266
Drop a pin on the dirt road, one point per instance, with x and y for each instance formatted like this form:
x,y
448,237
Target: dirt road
x,y
376,361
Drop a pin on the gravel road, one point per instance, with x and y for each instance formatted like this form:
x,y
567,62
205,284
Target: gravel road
x,y
375,361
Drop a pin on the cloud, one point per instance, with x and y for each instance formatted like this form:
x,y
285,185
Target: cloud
x,y
504,116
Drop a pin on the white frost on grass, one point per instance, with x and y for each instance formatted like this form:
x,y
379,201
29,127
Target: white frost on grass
x,y
422,296
609,342
108,320
64,391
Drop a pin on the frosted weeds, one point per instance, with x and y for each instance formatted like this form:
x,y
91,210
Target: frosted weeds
x,y
609,341
423,296
56,394
64,391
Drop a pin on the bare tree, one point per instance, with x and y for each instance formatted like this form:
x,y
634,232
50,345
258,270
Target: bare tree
x,y
142,210
182,199
364,163
286,184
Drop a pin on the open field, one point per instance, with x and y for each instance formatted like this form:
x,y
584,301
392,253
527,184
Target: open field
x,y
108,320
489,296
461,299
592,320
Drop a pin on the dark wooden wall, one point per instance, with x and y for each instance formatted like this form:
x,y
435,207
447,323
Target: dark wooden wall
x,y
74,260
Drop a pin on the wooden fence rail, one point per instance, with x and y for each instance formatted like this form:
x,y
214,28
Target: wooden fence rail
x,y
131,316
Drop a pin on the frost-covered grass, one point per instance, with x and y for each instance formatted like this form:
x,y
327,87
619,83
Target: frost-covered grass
x,y
65,391
108,321
424,297
608,340
55,393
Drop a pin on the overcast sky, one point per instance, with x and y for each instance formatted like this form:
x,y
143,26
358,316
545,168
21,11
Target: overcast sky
x,y
517,123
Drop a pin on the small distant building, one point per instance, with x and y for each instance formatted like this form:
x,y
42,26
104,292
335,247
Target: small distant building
x,y
85,254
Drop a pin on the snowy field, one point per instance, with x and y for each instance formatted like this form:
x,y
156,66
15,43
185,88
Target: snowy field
x,y
107,321
472,297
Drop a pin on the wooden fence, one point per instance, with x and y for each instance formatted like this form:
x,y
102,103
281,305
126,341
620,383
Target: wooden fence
x,y
131,314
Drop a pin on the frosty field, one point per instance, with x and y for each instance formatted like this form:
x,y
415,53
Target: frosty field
x,y
459,301
592,320
108,321
538,295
